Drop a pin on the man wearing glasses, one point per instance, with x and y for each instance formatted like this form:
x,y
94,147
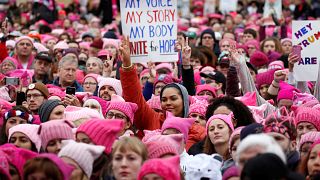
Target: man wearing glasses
x,y
36,94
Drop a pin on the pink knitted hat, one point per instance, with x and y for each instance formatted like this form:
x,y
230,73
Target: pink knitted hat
x,y
264,78
57,129
286,40
167,66
102,132
226,118
206,87
254,43
61,45
258,112
73,113
24,38
4,165
85,45
149,134
276,65
113,42
154,102
30,130
83,154
285,94
249,99
199,107
310,115
17,156
94,76
143,72
168,168
118,103
115,83
309,137
65,168
102,103
12,60
258,59
160,145
181,124
165,78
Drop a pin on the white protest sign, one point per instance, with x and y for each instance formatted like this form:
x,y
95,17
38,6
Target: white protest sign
x,y
184,8
209,7
272,7
228,5
152,28
307,35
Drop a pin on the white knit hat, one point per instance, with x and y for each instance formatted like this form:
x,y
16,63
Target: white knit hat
x,y
267,142
83,154
115,83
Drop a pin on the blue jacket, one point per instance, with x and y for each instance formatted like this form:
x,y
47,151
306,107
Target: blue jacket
x,y
75,84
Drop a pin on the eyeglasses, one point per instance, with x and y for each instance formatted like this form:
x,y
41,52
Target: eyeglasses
x,y
90,83
110,115
35,96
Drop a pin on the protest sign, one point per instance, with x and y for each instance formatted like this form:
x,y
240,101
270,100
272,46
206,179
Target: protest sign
x,y
184,8
272,7
152,28
307,35
209,7
228,6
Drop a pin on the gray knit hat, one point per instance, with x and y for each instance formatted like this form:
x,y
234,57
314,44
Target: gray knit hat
x,y
46,108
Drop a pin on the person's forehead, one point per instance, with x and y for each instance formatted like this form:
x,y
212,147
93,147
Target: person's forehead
x,y
25,41
33,91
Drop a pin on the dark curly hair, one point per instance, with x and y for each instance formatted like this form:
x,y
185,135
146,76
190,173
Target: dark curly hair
x,y
241,112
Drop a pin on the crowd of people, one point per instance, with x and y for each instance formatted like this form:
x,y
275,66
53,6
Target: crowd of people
x,y
74,106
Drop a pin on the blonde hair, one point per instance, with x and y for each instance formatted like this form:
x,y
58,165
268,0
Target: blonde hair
x,y
132,144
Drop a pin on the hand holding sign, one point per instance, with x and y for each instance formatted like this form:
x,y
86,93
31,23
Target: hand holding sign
x,y
125,52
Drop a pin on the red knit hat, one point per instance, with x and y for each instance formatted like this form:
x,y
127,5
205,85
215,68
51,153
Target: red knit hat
x,y
102,132
310,115
168,168
259,59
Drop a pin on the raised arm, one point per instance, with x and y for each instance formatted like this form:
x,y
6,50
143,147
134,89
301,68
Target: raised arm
x,y
145,117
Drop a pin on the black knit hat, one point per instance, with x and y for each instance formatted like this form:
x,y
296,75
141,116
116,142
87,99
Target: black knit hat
x,y
46,108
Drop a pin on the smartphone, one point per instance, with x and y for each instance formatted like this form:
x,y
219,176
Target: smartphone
x,y
71,90
11,81
296,49
20,98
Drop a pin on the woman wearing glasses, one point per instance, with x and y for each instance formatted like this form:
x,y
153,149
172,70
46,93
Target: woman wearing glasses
x,y
119,109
